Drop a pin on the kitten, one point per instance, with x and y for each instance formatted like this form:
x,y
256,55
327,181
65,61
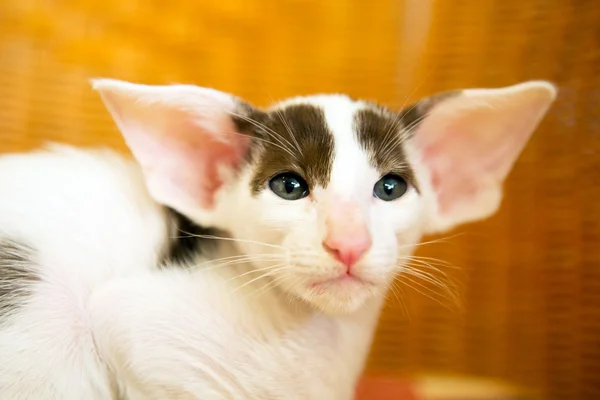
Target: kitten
x,y
249,256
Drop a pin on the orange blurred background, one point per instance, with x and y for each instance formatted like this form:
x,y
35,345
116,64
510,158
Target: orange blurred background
x,y
528,280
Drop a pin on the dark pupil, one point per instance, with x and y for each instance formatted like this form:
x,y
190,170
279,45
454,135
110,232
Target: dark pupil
x,y
388,186
290,185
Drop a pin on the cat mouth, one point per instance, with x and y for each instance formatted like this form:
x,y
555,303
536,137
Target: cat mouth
x,y
345,279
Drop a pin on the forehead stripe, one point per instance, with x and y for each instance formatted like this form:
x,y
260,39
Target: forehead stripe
x,y
382,135
304,145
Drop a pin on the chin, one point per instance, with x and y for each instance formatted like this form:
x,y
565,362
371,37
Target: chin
x,y
340,297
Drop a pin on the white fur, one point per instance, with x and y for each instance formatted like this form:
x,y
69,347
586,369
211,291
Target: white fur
x,y
106,318
106,322
90,218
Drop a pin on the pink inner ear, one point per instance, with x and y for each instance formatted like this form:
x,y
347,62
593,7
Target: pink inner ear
x,y
183,137
210,156
468,144
183,158
464,155
197,159
446,180
451,174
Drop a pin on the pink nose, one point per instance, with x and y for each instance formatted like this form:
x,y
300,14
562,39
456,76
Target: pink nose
x,y
347,249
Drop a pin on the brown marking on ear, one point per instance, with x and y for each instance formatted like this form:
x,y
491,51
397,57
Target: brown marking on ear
x,y
246,118
294,139
413,115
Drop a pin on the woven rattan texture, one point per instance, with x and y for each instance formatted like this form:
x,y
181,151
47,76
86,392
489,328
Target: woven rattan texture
x,y
527,281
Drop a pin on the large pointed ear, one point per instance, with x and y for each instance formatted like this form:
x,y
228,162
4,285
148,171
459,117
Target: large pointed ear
x,y
185,138
466,144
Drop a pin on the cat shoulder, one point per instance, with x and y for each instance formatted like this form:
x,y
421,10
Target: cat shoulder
x,y
63,200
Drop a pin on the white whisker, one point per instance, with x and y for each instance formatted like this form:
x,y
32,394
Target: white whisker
x,y
410,261
422,292
432,280
289,130
265,141
400,137
285,143
254,270
411,267
271,284
241,258
213,237
439,240
263,275
430,259
397,292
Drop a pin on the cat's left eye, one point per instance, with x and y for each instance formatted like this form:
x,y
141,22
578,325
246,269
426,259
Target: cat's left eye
x,y
289,186
390,187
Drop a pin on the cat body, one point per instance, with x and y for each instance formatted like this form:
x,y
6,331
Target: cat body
x,y
222,342
80,222
110,288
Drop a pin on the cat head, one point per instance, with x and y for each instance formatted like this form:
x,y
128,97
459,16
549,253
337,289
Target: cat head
x,y
337,191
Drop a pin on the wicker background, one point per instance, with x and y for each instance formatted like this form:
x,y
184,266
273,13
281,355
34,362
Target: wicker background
x,y
528,280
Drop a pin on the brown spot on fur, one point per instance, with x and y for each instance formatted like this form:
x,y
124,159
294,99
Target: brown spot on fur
x,y
379,132
383,133
293,139
17,275
413,115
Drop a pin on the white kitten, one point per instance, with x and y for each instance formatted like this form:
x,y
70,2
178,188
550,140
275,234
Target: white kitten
x,y
104,294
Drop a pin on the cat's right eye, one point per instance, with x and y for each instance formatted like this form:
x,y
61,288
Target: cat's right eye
x,y
289,186
390,187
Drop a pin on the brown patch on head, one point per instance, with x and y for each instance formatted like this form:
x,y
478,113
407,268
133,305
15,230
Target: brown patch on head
x,y
382,133
379,132
413,115
295,139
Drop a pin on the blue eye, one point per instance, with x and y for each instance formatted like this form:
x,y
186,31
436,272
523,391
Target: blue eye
x,y
289,186
390,187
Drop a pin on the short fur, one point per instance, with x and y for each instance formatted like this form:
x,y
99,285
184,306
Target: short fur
x,y
126,302
18,273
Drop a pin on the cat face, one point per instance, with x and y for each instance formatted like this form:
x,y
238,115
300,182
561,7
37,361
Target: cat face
x,y
328,195
336,196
